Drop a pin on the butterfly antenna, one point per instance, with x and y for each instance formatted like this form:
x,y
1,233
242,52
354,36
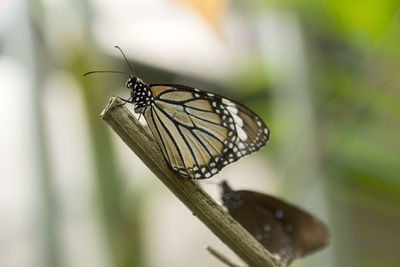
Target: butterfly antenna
x,y
130,67
105,71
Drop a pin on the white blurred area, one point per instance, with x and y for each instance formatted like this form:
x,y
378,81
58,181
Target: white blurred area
x,y
71,169
171,35
19,197
160,33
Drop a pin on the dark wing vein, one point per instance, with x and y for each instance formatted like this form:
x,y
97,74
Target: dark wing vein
x,y
187,144
188,127
170,136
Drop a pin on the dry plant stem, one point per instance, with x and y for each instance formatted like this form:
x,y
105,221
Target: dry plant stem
x,y
194,197
221,257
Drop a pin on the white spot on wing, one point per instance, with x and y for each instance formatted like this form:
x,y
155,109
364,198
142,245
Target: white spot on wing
x,y
241,134
237,119
227,102
279,214
232,109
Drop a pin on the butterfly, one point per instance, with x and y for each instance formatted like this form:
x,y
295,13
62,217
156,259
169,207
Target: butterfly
x,y
198,132
281,227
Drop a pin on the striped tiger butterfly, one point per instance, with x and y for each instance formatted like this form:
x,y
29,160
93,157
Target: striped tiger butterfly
x,y
198,132
281,227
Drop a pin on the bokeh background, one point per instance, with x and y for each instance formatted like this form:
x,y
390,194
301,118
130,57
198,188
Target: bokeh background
x,y
324,76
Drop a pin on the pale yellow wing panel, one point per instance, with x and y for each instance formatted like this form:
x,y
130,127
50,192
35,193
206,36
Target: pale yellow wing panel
x,y
199,151
179,148
175,112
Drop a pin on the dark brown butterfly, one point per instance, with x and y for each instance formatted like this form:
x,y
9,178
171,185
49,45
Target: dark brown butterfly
x,y
280,227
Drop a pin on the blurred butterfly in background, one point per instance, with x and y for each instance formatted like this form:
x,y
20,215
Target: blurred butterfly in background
x,y
198,132
280,227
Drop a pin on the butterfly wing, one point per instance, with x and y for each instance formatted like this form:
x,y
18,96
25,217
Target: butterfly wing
x,y
306,233
263,225
200,132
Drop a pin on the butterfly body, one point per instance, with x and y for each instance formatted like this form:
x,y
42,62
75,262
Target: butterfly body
x,y
199,132
141,95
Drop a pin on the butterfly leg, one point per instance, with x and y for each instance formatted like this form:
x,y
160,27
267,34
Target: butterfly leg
x,y
129,100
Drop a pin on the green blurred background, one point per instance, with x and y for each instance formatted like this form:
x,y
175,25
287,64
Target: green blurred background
x,y
324,76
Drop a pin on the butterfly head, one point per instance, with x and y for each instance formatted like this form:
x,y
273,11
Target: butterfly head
x,y
140,93
230,198
131,82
